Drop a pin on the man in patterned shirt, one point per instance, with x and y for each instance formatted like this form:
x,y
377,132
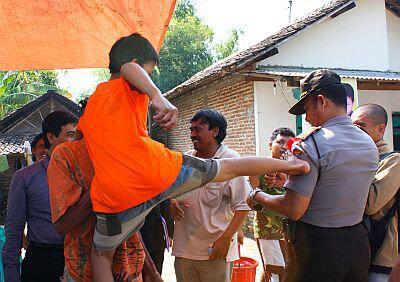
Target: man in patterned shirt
x,y
267,224
70,174
69,182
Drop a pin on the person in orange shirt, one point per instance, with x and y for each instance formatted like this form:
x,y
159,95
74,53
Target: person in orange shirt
x,y
70,174
133,173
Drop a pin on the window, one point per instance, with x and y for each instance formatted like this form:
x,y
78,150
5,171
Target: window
x,y
396,130
299,122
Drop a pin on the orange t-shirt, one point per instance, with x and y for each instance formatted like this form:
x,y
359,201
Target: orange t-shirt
x,y
70,174
130,168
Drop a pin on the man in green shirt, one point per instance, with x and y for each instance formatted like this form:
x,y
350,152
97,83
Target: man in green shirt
x,y
267,224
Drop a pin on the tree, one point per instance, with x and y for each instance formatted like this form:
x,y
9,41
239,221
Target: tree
x,y
186,49
230,46
20,87
100,75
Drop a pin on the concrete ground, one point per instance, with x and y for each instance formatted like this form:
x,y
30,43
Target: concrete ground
x,y
249,249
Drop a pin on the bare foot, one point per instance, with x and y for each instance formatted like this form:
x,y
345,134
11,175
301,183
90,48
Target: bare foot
x,y
297,166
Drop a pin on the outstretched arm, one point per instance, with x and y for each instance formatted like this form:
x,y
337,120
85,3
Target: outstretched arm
x,y
254,166
291,205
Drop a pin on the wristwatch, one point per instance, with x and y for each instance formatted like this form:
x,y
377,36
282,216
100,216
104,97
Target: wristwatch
x,y
253,193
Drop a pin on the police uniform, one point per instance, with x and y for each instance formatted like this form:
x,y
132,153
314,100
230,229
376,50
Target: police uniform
x,y
381,199
329,242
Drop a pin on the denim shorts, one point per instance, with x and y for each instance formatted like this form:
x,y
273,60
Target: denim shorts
x,y
113,229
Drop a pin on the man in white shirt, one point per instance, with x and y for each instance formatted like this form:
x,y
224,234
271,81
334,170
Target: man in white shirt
x,y
208,219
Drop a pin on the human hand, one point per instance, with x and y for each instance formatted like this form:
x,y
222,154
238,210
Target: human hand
x,y
220,248
270,179
176,210
395,274
280,179
254,182
151,276
297,166
166,113
253,204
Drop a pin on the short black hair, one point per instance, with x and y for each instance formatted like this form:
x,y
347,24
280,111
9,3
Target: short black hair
x,y
283,131
336,93
131,47
375,112
36,139
349,91
54,122
34,142
213,119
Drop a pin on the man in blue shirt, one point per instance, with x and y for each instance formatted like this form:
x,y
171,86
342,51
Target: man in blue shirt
x,y
28,202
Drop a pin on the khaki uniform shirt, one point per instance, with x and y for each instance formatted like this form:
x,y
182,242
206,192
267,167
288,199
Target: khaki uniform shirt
x,y
381,198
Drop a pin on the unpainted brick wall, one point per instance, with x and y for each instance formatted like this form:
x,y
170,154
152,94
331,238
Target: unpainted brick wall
x,y
234,98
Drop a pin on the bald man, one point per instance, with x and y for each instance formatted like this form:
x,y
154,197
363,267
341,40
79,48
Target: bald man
x,y
382,199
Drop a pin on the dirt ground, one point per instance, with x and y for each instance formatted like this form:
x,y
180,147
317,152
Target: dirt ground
x,y
249,249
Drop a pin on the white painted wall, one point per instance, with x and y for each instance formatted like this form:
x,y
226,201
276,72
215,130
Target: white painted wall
x,y
393,29
390,100
271,112
356,39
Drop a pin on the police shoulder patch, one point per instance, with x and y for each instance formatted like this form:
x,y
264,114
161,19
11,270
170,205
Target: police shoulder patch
x,y
296,151
294,144
308,133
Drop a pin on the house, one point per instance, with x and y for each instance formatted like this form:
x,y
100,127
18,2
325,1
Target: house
x,y
254,88
21,126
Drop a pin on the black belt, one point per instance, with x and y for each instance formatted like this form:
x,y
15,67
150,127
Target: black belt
x,y
292,228
315,227
380,269
45,246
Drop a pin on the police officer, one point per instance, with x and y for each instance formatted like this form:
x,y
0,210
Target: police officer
x,y
328,240
383,195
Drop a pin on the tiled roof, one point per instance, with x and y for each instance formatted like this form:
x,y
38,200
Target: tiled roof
x,y
261,50
301,72
25,110
10,144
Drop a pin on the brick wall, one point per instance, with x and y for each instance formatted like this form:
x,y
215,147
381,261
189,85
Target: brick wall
x,y
234,98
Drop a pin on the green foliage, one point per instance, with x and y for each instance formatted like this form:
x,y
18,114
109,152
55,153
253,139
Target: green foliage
x,y
230,46
186,49
183,10
20,87
101,75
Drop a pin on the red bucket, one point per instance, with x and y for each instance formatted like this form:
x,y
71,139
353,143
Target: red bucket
x,y
244,270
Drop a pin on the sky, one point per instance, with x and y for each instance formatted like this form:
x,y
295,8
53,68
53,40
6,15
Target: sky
x,y
257,18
